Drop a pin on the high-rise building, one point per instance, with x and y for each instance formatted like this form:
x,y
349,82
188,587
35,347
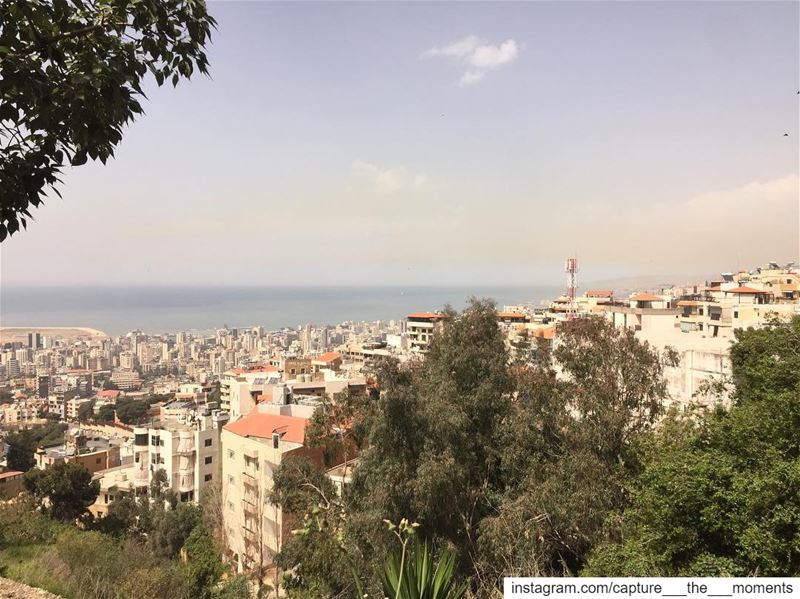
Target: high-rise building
x,y
12,368
22,355
34,340
43,386
127,360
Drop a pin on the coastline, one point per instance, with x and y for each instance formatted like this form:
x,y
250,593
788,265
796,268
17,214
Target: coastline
x,y
13,334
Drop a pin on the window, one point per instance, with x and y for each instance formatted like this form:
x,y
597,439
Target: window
x,y
208,442
231,507
231,480
207,477
154,440
231,455
208,460
736,314
700,311
97,461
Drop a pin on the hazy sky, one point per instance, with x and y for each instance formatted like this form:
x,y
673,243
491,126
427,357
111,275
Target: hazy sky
x,y
452,143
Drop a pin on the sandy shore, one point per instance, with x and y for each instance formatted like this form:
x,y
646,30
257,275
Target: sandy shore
x,y
13,334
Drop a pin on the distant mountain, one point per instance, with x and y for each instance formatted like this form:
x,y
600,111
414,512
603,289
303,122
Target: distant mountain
x,y
626,285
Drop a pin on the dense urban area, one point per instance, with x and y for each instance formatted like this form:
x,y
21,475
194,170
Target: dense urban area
x,y
240,461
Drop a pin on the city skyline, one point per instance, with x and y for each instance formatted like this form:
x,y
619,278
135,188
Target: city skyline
x,y
452,144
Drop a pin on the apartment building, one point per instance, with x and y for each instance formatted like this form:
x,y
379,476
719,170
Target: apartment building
x,y
327,361
21,411
72,406
512,318
699,323
92,452
187,451
590,302
420,329
10,484
644,311
127,380
253,447
236,383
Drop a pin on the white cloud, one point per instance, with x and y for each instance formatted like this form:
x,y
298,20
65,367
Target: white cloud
x,y
479,56
471,77
388,180
489,57
459,49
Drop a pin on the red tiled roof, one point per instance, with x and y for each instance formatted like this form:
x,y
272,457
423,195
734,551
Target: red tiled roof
x,y
599,293
646,297
434,315
327,357
257,424
746,290
511,315
10,474
108,393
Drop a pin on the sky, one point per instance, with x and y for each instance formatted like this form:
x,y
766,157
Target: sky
x,y
446,143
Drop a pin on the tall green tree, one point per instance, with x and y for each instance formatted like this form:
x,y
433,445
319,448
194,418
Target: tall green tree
x,y
722,497
64,490
512,461
571,448
433,452
315,559
86,411
131,411
71,77
204,564
766,361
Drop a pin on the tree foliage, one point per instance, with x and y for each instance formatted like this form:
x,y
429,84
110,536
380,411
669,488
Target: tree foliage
x,y
513,460
23,444
71,77
203,562
722,497
64,490
86,411
131,411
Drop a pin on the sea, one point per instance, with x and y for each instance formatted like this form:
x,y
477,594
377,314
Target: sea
x,y
155,310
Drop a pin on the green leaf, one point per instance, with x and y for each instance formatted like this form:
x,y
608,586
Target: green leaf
x,y
79,158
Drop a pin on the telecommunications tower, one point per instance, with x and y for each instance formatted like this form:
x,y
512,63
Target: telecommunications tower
x,y
571,268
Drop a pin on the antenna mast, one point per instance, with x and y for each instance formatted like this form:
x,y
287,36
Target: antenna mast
x,y
571,268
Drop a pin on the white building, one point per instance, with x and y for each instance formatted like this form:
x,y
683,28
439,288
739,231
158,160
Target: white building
x,y
188,453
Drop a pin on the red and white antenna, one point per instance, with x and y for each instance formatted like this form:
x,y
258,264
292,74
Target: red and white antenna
x,y
571,268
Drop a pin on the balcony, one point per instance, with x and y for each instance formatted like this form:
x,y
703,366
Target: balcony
x,y
250,512
249,536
